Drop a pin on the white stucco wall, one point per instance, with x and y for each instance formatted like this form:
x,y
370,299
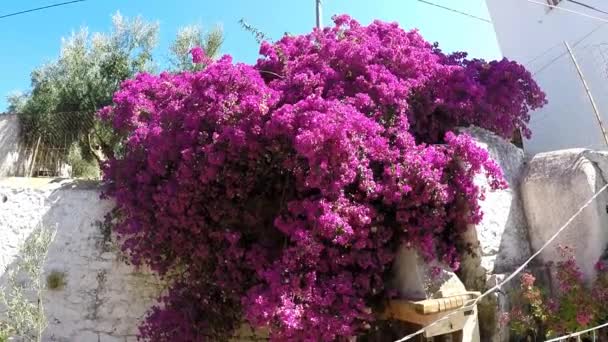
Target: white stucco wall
x,y
533,35
10,148
103,299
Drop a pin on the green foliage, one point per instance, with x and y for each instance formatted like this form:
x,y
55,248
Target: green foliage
x,y
258,35
81,167
5,332
192,36
66,93
16,103
22,298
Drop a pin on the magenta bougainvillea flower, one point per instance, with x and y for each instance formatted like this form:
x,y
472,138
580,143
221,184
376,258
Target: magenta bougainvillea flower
x,y
198,55
277,194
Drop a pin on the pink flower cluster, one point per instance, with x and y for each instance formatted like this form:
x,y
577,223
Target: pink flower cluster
x,y
277,194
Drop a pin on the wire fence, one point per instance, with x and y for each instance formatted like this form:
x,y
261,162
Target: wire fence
x,y
46,160
58,144
595,334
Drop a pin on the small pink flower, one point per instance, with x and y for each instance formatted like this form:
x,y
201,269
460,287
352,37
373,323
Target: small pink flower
x,y
583,318
600,266
527,279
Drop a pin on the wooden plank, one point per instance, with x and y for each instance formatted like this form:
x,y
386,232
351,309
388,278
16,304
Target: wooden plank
x,y
430,306
403,310
425,310
449,325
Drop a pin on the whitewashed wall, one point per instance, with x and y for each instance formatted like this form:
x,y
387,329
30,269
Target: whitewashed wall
x,y
533,35
10,148
103,299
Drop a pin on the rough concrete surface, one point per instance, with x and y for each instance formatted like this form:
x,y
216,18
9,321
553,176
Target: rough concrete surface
x,y
102,299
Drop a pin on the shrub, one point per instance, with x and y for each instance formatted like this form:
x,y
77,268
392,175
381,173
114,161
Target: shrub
x,y
22,297
568,308
277,194
81,167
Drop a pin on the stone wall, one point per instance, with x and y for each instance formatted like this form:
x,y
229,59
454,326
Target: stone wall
x,y
103,299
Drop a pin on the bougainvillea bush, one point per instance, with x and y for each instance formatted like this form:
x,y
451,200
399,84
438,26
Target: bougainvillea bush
x,y
570,307
277,194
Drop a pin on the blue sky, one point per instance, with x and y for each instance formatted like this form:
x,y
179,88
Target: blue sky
x,y
32,39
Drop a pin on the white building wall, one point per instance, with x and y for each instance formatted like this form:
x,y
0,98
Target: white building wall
x,y
533,35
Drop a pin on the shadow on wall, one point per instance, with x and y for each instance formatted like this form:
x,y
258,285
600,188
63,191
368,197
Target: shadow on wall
x,y
514,247
101,298
14,156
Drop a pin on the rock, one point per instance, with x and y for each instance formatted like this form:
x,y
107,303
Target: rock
x,y
501,237
500,241
416,279
555,186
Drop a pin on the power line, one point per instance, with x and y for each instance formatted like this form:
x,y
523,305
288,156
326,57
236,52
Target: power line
x,y
455,11
532,1
40,8
561,8
550,63
579,333
542,54
558,44
587,6
566,52
573,45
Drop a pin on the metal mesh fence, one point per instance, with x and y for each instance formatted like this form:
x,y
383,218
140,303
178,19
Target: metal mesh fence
x,y
57,145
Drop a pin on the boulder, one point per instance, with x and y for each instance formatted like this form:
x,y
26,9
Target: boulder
x,y
417,279
555,186
500,241
501,238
